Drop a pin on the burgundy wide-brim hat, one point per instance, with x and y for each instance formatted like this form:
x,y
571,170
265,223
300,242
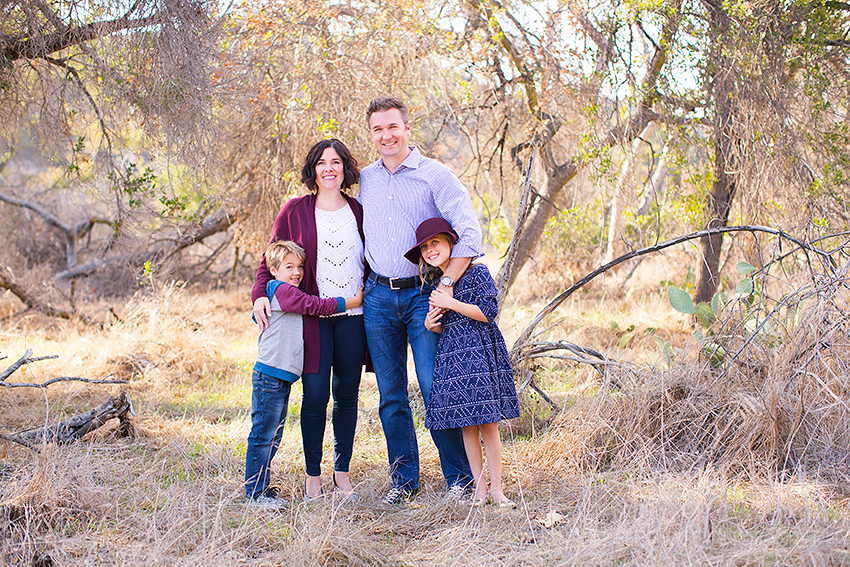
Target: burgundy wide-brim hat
x,y
427,230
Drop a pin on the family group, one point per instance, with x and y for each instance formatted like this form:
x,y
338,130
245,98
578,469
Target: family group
x,y
348,282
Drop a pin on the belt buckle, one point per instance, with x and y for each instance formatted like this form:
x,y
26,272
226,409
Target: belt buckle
x,y
391,284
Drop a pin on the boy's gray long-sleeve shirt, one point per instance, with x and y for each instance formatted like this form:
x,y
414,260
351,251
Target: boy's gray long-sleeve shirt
x,y
281,345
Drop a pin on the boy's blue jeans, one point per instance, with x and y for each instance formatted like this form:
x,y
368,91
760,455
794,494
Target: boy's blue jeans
x,y
269,401
392,319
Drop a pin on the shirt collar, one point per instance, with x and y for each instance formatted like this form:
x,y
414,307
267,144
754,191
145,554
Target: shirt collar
x,y
412,161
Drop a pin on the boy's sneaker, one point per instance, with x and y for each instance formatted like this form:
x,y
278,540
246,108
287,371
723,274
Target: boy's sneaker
x,y
397,495
268,500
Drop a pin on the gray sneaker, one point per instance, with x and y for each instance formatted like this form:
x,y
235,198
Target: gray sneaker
x,y
397,495
458,493
268,500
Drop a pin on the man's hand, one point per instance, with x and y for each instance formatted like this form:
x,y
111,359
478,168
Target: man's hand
x,y
262,312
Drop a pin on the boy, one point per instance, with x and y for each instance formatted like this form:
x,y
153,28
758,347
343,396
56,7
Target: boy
x,y
279,363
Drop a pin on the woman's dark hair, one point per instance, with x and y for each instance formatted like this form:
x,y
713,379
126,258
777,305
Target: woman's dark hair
x,y
350,173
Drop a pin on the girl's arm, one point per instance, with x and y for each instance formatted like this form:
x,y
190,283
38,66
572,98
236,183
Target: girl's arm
x,y
442,299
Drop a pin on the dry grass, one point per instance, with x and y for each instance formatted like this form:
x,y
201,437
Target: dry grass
x,y
678,467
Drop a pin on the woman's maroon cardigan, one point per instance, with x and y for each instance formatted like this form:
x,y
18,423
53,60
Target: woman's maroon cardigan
x,y
297,222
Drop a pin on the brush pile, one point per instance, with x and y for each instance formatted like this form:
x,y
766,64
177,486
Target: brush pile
x,y
764,392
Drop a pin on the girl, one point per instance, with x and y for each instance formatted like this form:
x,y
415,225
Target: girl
x,y
473,384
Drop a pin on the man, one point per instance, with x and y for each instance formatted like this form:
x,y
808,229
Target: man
x,y
398,192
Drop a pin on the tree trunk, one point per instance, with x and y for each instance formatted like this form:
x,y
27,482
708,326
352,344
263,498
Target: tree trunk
x,y
558,175
615,218
719,201
655,184
527,241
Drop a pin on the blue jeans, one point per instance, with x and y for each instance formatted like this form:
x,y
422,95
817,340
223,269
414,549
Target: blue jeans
x,y
343,351
269,401
393,318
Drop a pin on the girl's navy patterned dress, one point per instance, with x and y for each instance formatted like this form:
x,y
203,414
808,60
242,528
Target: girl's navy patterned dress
x,y
473,380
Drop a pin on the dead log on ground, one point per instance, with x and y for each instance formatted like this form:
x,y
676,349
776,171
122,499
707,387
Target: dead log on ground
x,y
71,429
74,428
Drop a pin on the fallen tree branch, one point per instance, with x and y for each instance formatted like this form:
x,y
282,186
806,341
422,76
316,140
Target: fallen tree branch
x,y
546,397
525,336
74,428
19,441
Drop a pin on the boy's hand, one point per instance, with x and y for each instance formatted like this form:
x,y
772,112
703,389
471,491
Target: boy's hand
x,y
262,312
441,298
356,301
433,319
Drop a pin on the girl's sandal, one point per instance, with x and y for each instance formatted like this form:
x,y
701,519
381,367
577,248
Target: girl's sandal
x,y
480,500
505,502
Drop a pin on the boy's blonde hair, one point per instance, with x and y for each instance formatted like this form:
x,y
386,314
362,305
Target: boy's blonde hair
x,y
279,249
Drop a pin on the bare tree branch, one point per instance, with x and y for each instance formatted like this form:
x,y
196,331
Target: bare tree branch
x,y
524,337
522,212
88,268
17,364
31,46
60,379
33,303
499,35
72,233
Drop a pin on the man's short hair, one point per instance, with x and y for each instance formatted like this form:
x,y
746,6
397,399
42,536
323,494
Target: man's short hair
x,y
279,249
384,103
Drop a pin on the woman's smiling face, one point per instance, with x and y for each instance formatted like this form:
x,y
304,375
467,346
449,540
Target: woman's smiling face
x,y
329,170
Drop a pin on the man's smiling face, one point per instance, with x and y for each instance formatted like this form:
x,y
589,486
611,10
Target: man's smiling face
x,y
390,134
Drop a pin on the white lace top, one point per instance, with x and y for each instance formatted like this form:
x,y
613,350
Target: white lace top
x,y
339,262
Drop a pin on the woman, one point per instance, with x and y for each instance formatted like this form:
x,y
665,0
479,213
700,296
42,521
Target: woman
x,y
328,224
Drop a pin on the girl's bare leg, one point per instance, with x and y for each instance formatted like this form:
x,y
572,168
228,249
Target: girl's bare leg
x,y
493,450
472,444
